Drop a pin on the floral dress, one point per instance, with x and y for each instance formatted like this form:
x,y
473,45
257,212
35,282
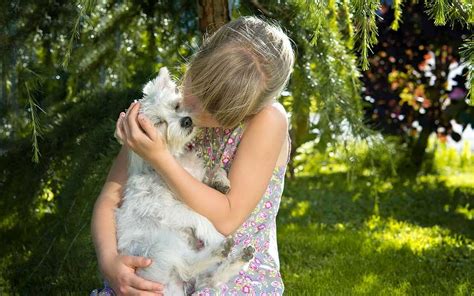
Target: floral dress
x,y
217,146
262,277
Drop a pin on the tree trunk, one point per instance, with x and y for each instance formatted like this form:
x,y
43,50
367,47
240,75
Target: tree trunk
x,y
418,151
212,14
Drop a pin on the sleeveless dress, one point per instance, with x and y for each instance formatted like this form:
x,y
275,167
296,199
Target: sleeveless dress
x,y
217,146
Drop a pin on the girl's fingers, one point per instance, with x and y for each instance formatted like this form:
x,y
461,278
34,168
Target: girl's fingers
x,y
125,126
136,261
127,120
118,129
146,126
132,120
142,284
137,292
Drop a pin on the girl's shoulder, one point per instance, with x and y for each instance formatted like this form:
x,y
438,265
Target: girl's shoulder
x,y
273,115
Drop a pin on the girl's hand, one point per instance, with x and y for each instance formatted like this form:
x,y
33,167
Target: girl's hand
x,y
138,133
120,272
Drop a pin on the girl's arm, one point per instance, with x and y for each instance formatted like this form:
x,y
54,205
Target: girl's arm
x,y
119,270
249,175
102,224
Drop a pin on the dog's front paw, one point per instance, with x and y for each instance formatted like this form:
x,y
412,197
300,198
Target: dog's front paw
x,y
221,187
219,181
229,243
247,253
195,243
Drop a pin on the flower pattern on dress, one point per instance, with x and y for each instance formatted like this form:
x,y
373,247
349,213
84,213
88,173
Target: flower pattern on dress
x,y
262,277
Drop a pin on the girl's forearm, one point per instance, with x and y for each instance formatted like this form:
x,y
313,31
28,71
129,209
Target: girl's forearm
x,y
103,231
201,198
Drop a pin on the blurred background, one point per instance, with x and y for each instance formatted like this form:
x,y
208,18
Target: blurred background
x,y
379,193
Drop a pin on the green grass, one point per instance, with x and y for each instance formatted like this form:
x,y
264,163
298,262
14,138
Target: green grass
x,y
408,237
374,236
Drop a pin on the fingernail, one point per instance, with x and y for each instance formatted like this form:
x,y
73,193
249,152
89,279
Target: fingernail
x,y
122,114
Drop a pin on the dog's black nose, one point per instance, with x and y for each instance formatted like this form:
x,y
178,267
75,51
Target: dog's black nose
x,y
186,122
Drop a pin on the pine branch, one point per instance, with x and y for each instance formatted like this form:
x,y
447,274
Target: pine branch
x,y
365,27
397,13
460,11
85,6
104,43
455,11
316,10
438,10
34,123
347,28
467,53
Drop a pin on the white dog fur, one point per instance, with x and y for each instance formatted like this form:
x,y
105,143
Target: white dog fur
x,y
152,222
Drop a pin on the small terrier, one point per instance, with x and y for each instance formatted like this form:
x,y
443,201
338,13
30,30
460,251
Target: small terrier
x,y
152,222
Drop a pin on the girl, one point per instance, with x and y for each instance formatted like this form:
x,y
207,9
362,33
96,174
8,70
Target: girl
x,y
230,88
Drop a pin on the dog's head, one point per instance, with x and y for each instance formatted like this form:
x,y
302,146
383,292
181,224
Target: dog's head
x,y
161,103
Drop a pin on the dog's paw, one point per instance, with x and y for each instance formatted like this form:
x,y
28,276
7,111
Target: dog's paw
x,y
221,187
247,253
219,181
228,244
195,243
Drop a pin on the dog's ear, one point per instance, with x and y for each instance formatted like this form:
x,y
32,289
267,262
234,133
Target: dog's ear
x,y
165,78
149,87
164,72
161,81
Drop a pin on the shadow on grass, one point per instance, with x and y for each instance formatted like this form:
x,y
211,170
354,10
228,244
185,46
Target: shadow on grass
x,y
428,201
332,243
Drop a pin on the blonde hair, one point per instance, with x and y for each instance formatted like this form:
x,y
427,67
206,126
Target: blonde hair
x,y
240,68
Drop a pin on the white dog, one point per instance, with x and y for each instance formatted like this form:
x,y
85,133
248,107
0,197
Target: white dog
x,y
153,223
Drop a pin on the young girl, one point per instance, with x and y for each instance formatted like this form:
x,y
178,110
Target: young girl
x,y
231,88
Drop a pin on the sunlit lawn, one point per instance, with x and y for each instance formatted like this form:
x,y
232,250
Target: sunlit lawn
x,y
390,236
415,238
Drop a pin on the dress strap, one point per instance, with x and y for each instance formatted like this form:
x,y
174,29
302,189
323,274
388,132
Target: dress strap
x,y
289,147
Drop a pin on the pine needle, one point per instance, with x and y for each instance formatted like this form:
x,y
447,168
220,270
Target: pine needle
x,y
36,129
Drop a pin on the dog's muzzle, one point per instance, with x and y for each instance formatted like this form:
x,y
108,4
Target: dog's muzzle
x,y
186,122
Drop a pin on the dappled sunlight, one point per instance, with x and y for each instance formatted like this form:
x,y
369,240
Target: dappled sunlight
x,y
8,221
381,186
340,259
296,209
368,283
333,168
300,209
457,180
465,211
393,234
45,203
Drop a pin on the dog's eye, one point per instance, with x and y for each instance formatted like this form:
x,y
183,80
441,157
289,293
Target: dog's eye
x,y
176,107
